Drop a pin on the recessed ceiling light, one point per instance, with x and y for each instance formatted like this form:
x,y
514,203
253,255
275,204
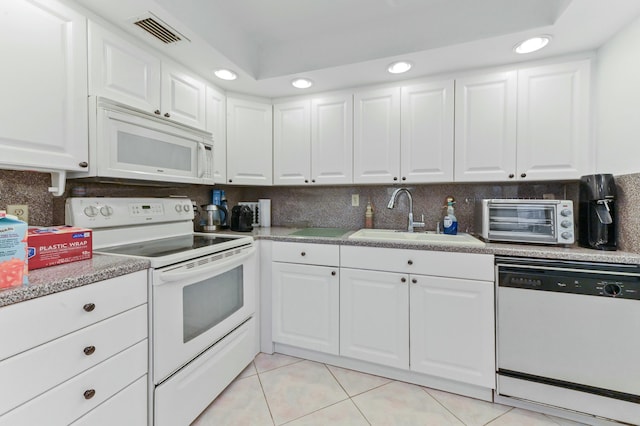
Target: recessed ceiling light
x,y
225,74
302,83
399,67
532,44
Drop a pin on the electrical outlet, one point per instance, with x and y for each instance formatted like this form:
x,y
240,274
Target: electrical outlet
x,y
19,210
355,200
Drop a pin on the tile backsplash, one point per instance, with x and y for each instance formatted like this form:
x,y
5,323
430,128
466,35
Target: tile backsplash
x,y
328,206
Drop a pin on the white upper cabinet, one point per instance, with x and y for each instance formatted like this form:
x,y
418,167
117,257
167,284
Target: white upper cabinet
x,y
183,96
376,140
332,139
43,82
485,127
426,145
553,121
122,71
292,143
216,109
249,142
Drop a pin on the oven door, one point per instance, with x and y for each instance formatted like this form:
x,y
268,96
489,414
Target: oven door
x,y
196,303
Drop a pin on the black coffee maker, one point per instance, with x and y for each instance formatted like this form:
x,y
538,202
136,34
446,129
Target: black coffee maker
x,y
597,228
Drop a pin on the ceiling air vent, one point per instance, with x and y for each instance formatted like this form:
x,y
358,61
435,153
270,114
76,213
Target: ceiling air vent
x,y
159,29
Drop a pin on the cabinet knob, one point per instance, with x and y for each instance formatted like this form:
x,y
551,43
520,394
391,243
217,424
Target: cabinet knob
x,y
83,164
404,178
523,175
313,181
403,280
306,181
88,394
156,112
333,273
89,350
413,280
303,254
89,307
511,175
230,180
395,178
410,262
166,114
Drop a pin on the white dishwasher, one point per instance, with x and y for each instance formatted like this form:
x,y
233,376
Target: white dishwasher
x,y
568,335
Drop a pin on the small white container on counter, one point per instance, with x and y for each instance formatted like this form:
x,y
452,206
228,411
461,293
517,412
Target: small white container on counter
x,y
264,212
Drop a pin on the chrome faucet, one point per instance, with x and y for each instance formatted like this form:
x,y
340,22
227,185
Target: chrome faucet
x,y
392,203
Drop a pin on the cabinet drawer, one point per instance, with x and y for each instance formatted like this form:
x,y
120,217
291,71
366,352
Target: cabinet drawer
x,y
67,402
309,254
127,407
32,372
444,264
34,322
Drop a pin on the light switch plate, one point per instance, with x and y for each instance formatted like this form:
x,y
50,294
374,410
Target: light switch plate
x,y
355,200
19,210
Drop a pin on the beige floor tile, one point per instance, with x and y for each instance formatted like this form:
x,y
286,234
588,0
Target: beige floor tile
x,y
265,362
355,382
398,403
343,413
472,412
298,389
249,371
521,417
565,422
242,403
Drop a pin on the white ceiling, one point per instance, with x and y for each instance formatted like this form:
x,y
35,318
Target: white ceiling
x,y
347,43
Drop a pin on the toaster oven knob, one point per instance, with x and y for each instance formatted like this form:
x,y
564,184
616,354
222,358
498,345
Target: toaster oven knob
x,y
566,224
566,235
566,212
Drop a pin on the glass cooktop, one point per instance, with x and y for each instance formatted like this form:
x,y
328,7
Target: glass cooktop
x,y
167,246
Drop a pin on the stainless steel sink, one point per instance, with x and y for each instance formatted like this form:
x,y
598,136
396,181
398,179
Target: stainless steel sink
x,y
425,237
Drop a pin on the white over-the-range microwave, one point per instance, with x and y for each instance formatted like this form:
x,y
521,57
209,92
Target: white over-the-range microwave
x,y
128,144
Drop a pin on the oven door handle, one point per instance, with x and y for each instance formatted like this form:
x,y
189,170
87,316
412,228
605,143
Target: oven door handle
x,y
211,269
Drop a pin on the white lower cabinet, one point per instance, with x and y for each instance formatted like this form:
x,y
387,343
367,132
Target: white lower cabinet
x,y
374,317
305,295
452,329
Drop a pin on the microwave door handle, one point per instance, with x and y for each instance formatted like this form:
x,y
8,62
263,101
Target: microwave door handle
x,y
201,159
210,269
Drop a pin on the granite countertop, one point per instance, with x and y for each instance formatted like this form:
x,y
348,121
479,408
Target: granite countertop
x,y
522,250
70,275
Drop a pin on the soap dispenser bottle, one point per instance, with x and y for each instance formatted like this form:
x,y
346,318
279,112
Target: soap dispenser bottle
x,y
368,216
450,222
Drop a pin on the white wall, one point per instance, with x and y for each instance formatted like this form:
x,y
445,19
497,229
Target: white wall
x,y
617,115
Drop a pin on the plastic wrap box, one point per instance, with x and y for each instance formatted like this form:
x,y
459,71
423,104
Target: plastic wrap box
x,y
13,251
55,245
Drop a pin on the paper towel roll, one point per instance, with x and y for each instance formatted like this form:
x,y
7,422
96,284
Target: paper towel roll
x,y
264,212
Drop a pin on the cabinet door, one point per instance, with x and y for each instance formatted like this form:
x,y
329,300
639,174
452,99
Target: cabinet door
x,y
216,108
426,145
122,71
485,127
183,96
249,150
292,143
376,140
306,306
332,140
374,317
43,82
553,121
452,329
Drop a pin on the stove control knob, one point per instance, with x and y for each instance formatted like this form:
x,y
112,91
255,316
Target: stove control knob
x,y
566,224
566,235
566,212
612,289
186,208
178,208
91,211
106,210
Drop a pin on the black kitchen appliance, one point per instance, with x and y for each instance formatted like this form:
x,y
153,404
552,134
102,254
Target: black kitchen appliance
x,y
241,218
597,227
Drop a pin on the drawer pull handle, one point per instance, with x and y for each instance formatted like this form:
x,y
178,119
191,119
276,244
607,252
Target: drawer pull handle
x,y
303,254
89,307
88,394
89,350
410,262
333,273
